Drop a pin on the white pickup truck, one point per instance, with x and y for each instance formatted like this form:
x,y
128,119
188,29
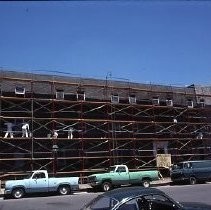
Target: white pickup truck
x,y
39,182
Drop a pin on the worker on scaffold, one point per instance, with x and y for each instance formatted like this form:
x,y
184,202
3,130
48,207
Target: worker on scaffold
x,y
70,133
9,130
25,130
55,134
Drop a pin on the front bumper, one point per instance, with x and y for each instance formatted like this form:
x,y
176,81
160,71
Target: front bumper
x,y
178,178
74,187
94,184
7,192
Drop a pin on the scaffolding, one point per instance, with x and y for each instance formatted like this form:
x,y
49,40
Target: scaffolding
x,y
80,126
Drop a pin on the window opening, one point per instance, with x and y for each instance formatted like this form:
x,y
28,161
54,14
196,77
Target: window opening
x,y
115,98
132,99
202,103
20,90
190,103
169,102
60,94
81,95
155,101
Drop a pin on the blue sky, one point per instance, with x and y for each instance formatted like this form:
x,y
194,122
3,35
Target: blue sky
x,y
163,42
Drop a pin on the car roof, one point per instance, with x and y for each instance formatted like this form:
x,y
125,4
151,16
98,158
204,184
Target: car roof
x,y
126,192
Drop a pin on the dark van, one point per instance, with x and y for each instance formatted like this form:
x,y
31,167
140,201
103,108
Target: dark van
x,y
191,171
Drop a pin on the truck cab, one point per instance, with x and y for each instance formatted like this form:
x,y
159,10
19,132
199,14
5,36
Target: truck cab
x,y
38,181
120,174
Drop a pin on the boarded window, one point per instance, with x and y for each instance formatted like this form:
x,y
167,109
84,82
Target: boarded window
x,y
190,103
155,101
202,103
169,102
115,98
60,94
81,95
132,99
20,90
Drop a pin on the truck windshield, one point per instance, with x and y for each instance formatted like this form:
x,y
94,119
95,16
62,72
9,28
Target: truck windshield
x,y
178,166
111,169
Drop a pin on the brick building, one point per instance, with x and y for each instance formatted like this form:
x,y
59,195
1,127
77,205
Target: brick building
x,y
81,125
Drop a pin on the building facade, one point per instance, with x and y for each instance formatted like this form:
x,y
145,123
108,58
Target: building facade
x,y
72,125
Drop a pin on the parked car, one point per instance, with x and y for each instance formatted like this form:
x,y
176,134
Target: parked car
x,y
118,175
138,198
191,171
39,182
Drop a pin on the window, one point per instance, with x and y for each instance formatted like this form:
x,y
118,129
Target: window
x,y
160,202
20,90
40,175
187,165
199,135
155,202
121,169
59,94
129,205
115,98
155,101
169,102
132,99
111,169
202,164
160,147
81,95
102,203
202,103
190,103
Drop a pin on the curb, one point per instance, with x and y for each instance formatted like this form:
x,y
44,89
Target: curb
x,y
161,183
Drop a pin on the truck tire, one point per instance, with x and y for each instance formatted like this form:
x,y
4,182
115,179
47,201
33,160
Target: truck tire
x,y
146,183
192,180
106,186
64,190
18,193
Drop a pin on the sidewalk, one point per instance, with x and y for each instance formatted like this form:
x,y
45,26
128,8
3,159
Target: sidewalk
x,y
164,181
86,187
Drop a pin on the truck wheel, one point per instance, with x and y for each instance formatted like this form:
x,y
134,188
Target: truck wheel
x,y
106,186
192,180
146,183
18,193
64,190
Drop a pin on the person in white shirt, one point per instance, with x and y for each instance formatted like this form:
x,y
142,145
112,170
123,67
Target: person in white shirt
x,y
9,130
70,133
25,130
55,134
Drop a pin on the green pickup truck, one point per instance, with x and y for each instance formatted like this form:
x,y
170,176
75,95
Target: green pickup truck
x,y
118,175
